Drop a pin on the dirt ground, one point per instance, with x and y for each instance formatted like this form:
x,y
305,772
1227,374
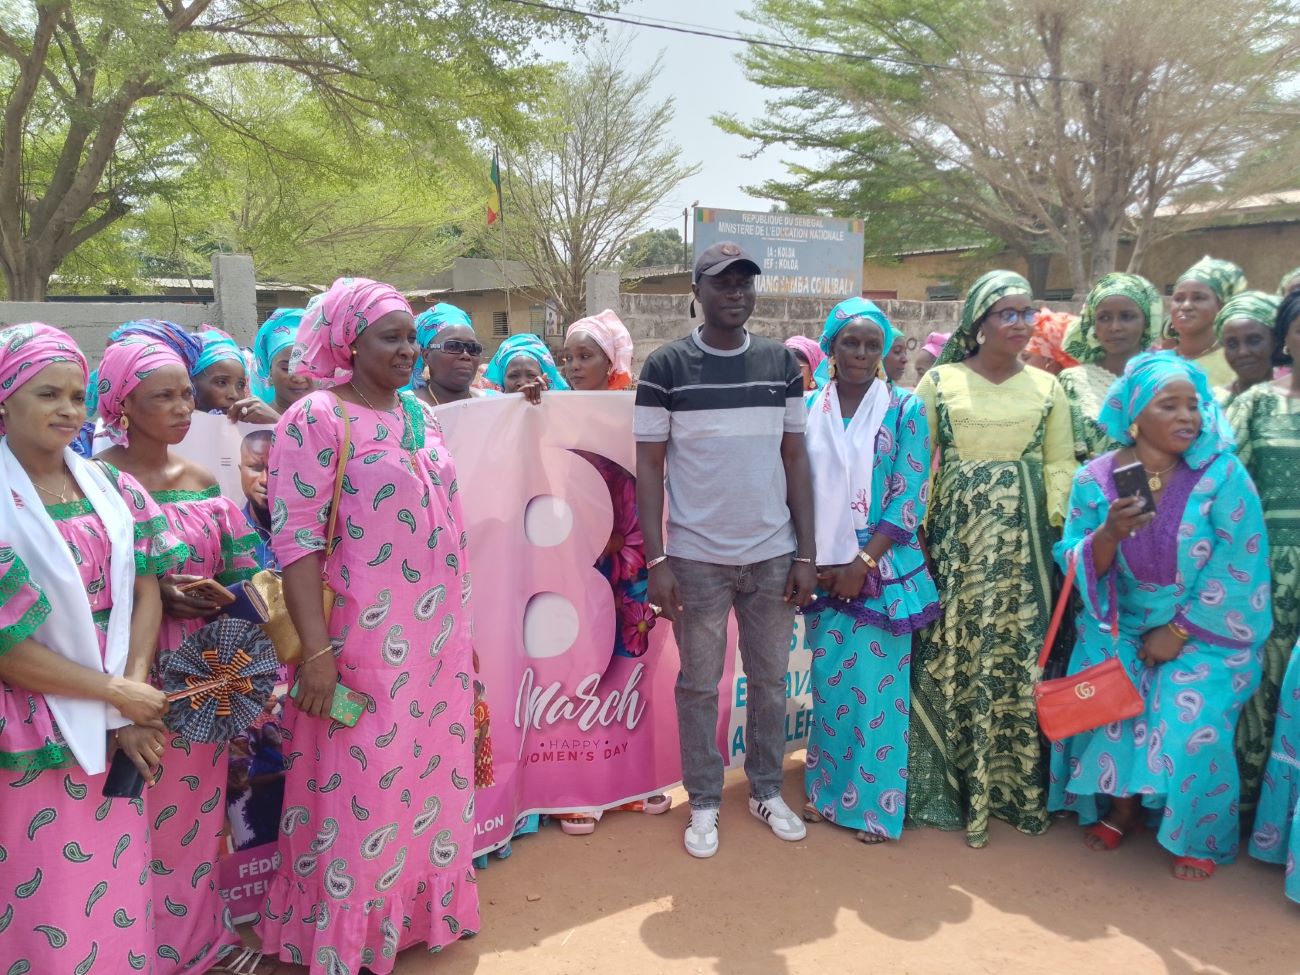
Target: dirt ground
x,y
629,900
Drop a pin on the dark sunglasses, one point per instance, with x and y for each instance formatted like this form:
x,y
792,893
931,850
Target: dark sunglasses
x,y
457,347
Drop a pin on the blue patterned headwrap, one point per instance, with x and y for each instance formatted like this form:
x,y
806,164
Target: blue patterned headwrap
x,y
846,312
277,333
184,343
217,347
523,344
1144,376
442,315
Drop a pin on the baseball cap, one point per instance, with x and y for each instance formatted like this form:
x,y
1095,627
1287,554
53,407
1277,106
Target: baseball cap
x,y
721,256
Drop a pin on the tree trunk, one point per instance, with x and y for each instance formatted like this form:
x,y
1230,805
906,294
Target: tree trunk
x,y
1105,251
28,278
1037,265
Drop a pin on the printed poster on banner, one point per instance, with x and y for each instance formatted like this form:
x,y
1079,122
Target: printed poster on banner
x,y
578,673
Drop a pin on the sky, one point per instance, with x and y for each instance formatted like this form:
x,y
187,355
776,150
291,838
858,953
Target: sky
x,y
703,77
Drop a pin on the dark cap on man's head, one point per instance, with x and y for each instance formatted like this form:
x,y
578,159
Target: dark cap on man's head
x,y
721,256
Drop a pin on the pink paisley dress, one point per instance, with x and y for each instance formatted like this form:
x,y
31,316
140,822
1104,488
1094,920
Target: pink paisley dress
x,y
77,875
376,834
186,807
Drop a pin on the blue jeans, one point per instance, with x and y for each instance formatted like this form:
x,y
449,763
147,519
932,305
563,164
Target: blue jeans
x,y
766,621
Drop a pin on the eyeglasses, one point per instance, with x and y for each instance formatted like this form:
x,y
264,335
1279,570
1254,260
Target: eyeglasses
x,y
1009,316
457,347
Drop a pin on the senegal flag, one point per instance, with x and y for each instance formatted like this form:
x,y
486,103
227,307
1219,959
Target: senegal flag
x,y
494,207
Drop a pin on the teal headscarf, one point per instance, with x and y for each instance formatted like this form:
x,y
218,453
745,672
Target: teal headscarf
x,y
848,311
1222,277
1258,306
278,332
217,347
523,344
442,315
1144,376
1081,338
983,295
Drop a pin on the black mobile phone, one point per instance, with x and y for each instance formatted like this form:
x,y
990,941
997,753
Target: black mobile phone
x,y
123,780
1131,481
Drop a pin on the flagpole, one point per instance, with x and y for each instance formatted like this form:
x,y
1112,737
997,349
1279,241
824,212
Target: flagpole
x,y
501,210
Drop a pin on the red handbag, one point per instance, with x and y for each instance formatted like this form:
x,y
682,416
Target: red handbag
x,y
1089,699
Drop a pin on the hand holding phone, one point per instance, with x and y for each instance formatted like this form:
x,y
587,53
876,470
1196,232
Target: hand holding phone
x,y
209,590
1131,481
1134,508
346,706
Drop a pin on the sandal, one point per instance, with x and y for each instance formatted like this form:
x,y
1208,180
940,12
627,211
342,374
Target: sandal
x,y
810,813
1206,866
870,839
245,962
1109,835
577,824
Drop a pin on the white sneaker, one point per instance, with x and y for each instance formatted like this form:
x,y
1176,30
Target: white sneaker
x,y
780,817
702,833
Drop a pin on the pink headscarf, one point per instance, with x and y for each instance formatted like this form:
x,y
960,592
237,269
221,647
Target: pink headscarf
x,y
935,342
333,321
27,349
608,331
127,363
810,349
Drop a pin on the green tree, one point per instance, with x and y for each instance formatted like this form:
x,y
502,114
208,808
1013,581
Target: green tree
x,y
602,162
653,248
110,102
1049,125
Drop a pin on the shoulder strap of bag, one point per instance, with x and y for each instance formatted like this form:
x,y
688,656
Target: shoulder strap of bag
x,y
339,473
1058,615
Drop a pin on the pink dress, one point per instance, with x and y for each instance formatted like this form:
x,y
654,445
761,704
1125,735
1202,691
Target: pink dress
x,y
187,806
76,883
376,835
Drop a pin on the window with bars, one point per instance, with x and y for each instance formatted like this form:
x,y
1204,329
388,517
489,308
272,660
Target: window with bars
x,y
500,325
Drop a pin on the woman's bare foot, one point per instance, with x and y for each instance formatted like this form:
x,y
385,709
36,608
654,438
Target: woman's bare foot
x,y
870,839
1190,868
810,813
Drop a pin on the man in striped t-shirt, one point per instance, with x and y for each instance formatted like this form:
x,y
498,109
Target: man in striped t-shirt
x,y
720,413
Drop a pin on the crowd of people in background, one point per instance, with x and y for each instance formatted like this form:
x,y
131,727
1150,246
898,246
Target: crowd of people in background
x,y
924,533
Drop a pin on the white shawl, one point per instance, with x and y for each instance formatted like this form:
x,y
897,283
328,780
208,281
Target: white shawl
x,y
842,461
69,630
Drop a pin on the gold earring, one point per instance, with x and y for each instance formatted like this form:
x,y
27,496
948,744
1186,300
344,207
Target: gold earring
x,y
979,337
126,422
1133,431
830,369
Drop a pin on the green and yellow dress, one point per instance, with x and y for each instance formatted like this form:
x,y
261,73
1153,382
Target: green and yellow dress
x,y
1266,422
1085,388
1006,459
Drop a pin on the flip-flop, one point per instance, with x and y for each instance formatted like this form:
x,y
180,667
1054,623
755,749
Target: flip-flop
x,y
810,813
1208,866
1108,834
246,961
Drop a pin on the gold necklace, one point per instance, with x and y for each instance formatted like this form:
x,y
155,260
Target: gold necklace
x,y
365,400
1153,477
63,498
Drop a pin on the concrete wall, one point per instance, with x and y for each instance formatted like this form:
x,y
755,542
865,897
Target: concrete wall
x,y
655,319
90,323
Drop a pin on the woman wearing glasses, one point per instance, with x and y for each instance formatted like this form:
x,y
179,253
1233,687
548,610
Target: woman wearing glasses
x,y
451,353
1006,457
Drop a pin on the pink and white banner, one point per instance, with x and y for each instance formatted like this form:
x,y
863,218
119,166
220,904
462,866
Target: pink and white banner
x,y
578,674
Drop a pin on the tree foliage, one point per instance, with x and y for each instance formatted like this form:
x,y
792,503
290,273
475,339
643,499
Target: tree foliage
x,y
112,106
653,248
602,162
1047,125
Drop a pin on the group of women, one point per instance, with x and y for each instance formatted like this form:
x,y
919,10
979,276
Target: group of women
x,y
1005,475
96,561
945,518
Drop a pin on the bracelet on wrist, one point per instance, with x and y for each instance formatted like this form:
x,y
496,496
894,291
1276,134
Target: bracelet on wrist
x,y
1178,631
867,560
656,561
803,560
328,648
